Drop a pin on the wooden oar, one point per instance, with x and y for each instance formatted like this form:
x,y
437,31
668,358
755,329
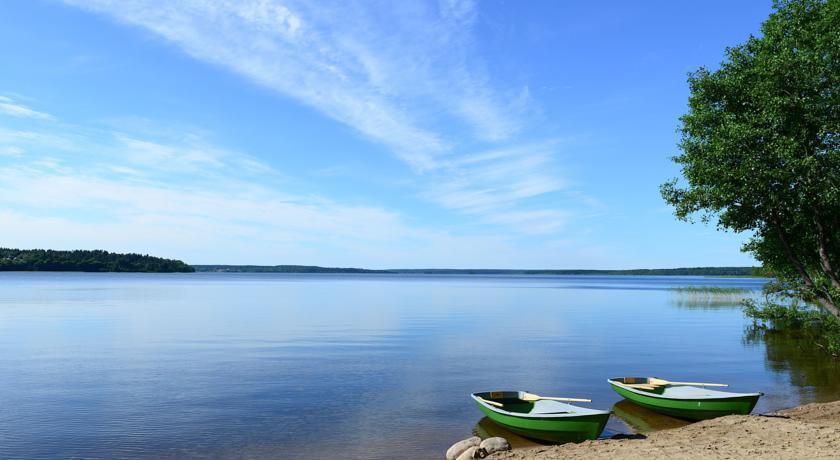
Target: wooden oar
x,y
641,386
533,397
492,403
661,382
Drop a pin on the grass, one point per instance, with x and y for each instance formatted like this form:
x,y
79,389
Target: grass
x,y
708,296
710,290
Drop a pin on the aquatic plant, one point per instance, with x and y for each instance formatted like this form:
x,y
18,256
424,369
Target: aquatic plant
x,y
811,323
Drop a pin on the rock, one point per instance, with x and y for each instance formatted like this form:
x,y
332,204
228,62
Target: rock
x,y
454,452
471,453
496,444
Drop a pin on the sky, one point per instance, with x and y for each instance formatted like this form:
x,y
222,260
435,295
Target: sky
x,y
380,134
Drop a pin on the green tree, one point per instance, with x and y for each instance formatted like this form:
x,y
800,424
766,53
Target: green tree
x,y
760,148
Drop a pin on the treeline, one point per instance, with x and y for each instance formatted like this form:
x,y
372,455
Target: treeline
x,y
695,271
85,261
280,269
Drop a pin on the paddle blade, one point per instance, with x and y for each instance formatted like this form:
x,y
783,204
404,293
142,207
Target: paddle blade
x,y
641,386
532,397
661,382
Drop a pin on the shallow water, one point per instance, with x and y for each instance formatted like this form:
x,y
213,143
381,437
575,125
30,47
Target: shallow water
x,y
352,366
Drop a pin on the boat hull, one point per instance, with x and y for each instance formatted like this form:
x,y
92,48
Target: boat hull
x,y
691,409
553,429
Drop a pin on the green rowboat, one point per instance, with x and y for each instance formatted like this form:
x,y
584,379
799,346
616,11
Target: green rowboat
x,y
686,402
543,420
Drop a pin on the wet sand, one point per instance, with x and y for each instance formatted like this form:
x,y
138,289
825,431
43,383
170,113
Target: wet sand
x,y
811,431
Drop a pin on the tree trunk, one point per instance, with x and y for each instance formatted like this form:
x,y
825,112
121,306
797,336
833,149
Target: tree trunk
x,y
806,278
825,300
829,306
824,260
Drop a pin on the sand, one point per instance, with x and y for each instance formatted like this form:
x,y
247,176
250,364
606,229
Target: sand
x,y
811,431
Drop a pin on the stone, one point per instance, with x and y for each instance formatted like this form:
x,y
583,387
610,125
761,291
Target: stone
x,y
471,453
454,452
496,444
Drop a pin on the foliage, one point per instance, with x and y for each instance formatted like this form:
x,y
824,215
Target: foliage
x,y
761,148
87,261
810,323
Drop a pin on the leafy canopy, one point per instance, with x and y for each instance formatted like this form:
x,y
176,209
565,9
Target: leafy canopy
x,y
760,147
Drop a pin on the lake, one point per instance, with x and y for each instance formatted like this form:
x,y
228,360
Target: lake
x,y
353,366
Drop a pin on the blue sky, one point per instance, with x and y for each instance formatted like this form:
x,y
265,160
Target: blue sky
x,y
486,134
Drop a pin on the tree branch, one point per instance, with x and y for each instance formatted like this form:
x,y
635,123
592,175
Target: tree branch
x,y
824,260
823,299
806,278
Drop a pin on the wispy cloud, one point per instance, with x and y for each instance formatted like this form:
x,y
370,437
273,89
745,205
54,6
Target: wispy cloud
x,y
188,153
385,69
14,108
407,75
112,199
127,185
319,54
11,151
132,192
496,184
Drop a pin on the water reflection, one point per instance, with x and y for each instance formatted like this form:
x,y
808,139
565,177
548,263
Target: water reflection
x,y
293,366
486,428
643,420
814,374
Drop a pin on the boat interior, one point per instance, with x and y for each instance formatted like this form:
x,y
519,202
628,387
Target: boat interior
x,y
510,400
513,404
631,380
639,383
676,391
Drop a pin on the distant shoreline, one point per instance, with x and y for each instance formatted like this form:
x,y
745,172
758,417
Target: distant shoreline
x,y
81,260
50,260
688,271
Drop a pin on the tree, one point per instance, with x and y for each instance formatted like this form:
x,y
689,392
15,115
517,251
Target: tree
x,y
761,148
88,261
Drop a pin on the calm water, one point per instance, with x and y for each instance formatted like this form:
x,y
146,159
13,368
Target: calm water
x,y
351,366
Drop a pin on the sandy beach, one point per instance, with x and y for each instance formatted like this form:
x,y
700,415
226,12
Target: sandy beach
x,y
810,431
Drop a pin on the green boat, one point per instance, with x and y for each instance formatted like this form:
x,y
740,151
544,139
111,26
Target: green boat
x,y
686,402
543,420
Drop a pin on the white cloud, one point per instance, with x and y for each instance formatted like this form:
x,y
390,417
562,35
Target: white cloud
x,y
16,109
186,153
270,44
407,75
174,193
11,151
44,206
390,70
497,183
117,201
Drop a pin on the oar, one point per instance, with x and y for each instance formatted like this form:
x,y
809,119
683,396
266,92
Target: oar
x,y
661,382
493,403
533,397
641,386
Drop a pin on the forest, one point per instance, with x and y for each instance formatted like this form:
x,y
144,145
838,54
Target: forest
x,y
85,261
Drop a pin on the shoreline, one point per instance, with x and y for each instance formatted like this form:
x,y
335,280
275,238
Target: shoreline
x,y
807,431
